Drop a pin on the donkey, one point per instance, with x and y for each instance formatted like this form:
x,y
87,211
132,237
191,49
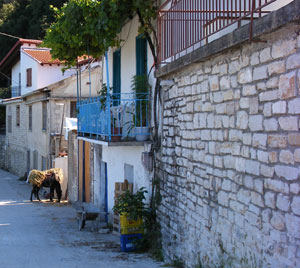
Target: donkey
x,y
51,181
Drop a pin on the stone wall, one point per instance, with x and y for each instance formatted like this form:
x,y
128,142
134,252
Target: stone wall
x,y
16,140
229,162
72,166
2,151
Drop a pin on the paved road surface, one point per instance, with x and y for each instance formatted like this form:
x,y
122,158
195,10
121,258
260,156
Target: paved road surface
x,y
42,235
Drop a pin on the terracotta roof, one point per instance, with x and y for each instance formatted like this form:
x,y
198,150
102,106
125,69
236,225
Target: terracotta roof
x,y
43,56
14,52
30,41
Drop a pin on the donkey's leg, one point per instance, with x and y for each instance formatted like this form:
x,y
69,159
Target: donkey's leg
x,y
32,192
58,191
51,193
37,193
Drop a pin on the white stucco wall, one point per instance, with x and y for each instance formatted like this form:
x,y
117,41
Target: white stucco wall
x,y
128,58
16,69
27,62
42,75
68,86
116,158
62,162
48,74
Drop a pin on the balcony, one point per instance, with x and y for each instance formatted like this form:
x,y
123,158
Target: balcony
x,y
115,118
186,25
15,91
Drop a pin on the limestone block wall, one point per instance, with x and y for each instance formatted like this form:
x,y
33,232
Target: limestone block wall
x,y
16,140
72,166
229,162
2,151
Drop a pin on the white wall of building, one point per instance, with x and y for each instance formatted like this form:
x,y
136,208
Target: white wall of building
x,y
16,69
62,162
128,58
42,75
27,62
116,158
37,138
48,74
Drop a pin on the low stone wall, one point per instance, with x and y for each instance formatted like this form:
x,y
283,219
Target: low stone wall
x,y
229,162
2,151
72,166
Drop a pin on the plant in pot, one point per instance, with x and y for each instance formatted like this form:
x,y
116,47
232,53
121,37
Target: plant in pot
x,y
141,86
132,211
116,129
115,124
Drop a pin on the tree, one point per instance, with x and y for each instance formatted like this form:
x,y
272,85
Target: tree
x,y
25,19
91,27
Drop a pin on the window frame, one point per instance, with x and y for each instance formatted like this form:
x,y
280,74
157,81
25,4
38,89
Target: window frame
x,y
9,123
29,77
30,117
44,116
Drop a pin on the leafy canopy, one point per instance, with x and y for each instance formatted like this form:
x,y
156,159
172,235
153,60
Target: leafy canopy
x,y
91,27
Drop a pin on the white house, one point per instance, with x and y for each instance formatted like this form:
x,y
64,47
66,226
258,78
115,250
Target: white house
x,y
117,155
41,99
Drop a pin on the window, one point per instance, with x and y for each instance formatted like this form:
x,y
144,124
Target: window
x,y
116,77
35,159
73,109
44,163
28,161
141,55
29,77
30,117
9,124
18,115
44,127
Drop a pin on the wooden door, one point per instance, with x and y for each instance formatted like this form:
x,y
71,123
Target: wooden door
x,y
84,171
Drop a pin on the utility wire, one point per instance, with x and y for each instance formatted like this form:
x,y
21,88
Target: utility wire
x,y
9,35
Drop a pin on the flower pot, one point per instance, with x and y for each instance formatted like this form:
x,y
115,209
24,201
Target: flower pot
x,y
116,133
142,133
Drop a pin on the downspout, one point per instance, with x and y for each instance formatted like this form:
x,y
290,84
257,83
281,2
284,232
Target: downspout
x,y
89,66
108,98
50,128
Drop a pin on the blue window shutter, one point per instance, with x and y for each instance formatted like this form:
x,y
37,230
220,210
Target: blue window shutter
x,y
141,55
117,71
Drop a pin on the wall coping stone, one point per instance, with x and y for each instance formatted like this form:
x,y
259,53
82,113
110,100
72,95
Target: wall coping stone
x,y
276,19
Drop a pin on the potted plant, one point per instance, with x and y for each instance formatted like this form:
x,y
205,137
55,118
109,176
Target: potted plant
x,y
115,125
140,85
116,129
132,210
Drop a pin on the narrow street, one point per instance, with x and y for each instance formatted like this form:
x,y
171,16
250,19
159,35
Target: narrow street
x,y
34,235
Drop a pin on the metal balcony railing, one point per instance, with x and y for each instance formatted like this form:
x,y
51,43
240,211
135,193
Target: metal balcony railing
x,y
15,91
184,25
115,117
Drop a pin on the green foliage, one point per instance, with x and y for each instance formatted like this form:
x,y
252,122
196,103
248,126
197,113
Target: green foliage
x,y
90,27
6,9
26,19
103,95
177,263
4,94
140,85
132,204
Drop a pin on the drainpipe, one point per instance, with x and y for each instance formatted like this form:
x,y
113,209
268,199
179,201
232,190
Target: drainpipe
x,y
89,66
108,98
